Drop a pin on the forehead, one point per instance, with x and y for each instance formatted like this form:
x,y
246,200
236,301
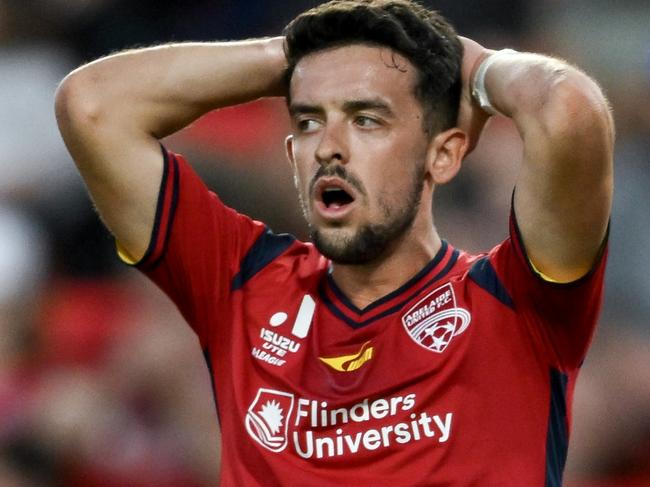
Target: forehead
x,y
353,72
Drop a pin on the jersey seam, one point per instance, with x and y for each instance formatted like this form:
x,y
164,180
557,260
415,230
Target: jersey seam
x,y
170,218
160,203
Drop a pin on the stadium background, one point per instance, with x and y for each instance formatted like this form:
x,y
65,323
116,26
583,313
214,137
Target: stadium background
x,y
102,385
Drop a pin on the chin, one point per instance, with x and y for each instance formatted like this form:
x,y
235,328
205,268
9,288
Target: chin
x,y
351,248
367,242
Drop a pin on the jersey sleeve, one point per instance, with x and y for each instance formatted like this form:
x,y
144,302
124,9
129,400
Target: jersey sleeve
x,y
196,245
561,316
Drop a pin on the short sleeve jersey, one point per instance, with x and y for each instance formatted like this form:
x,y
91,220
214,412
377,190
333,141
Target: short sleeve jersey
x,y
462,376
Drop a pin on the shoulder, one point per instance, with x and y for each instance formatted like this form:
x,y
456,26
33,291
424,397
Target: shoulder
x,y
279,257
483,271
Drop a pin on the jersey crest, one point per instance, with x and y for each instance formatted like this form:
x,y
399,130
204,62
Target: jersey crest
x,y
435,320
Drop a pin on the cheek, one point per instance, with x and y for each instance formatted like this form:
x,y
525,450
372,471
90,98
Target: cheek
x,y
302,176
392,185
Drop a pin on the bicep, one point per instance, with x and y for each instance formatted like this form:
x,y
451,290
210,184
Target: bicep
x,y
564,191
121,167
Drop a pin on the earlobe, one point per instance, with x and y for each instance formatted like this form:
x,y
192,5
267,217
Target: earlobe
x,y
288,147
446,152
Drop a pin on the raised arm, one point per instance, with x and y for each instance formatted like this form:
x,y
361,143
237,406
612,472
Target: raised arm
x,y
112,112
564,190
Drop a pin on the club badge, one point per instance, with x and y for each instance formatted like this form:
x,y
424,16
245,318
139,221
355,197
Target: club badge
x,y
435,320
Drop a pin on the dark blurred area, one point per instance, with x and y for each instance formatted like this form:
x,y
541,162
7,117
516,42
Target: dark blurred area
x,y
101,382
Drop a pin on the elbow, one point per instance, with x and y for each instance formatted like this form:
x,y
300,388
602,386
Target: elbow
x,y
574,106
77,103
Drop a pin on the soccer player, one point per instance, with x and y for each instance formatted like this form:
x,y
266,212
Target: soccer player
x,y
378,354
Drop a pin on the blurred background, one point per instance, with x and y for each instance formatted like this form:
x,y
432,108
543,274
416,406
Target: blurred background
x,y
101,382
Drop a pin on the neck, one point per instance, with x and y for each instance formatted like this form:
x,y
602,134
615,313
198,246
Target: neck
x,y
364,284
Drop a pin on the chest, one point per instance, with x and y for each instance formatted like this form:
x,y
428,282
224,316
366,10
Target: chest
x,y
439,369
446,338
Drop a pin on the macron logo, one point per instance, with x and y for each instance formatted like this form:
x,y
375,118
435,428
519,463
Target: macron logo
x,y
349,363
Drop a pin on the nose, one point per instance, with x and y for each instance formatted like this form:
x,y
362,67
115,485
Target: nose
x,y
332,147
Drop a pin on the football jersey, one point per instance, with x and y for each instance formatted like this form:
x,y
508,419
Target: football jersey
x,y
461,376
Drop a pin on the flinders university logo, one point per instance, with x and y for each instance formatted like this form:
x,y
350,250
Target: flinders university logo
x,y
435,320
267,418
321,430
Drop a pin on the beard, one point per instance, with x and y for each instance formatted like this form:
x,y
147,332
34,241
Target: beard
x,y
372,240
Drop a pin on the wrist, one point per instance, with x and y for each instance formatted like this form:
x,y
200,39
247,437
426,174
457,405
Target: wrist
x,y
478,90
275,54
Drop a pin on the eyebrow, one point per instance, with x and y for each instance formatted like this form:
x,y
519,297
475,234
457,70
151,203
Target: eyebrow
x,y
375,104
349,106
302,108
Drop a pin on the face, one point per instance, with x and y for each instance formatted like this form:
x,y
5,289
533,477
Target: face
x,y
358,148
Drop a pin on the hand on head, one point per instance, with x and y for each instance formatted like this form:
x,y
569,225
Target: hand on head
x,y
471,118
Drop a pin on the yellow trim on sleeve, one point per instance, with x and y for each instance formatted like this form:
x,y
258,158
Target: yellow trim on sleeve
x,y
542,275
124,255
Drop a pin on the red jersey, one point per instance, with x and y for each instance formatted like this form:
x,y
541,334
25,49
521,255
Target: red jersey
x,y
462,376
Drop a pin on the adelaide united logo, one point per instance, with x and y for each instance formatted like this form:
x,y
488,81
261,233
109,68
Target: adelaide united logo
x,y
435,319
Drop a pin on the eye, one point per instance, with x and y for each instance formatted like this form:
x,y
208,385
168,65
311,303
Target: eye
x,y
307,124
366,121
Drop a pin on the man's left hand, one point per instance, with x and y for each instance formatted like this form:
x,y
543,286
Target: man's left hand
x,y
471,117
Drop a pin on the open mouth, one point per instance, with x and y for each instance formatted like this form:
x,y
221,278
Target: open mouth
x,y
335,197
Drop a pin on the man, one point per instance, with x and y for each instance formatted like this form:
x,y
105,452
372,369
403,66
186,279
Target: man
x,y
379,355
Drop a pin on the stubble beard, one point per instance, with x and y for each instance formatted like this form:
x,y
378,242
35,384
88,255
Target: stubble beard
x,y
371,241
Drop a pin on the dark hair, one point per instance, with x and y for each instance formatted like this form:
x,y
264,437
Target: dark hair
x,y
421,35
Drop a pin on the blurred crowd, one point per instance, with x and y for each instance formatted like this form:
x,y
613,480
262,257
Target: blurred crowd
x,y
102,384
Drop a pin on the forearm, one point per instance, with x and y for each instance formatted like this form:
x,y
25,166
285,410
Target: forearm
x,y
159,90
112,111
549,98
564,189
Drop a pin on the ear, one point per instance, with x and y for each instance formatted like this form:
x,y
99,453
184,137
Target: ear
x,y
288,147
445,154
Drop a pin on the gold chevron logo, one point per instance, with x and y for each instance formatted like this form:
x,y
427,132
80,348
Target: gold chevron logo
x,y
349,363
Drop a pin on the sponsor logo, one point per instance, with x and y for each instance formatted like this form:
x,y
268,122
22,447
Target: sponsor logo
x,y
320,431
435,320
273,347
349,363
267,418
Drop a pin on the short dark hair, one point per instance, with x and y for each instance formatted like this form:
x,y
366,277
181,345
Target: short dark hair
x,y
421,35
